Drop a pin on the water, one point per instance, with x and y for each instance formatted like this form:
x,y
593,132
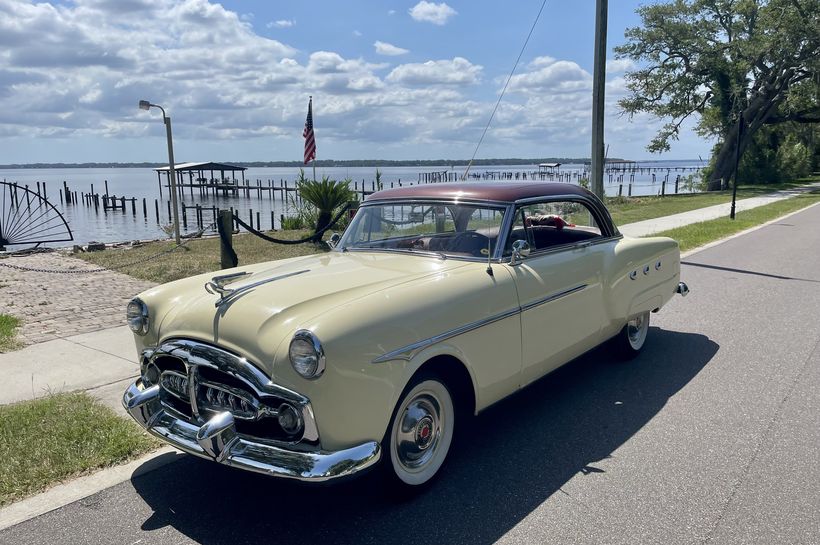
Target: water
x,y
88,224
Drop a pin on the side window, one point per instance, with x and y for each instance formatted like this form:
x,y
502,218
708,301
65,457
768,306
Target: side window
x,y
555,223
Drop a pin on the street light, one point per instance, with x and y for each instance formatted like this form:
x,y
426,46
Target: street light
x,y
145,105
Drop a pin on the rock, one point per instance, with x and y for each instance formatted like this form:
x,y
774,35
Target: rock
x,y
94,246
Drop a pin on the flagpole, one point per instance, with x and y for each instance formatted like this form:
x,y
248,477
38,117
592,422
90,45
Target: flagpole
x,y
314,132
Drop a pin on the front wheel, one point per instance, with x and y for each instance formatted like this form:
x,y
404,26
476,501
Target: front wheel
x,y
632,337
421,432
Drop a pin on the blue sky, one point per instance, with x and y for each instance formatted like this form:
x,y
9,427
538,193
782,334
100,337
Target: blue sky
x,y
391,80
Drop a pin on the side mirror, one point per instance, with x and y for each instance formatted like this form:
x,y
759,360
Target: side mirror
x,y
334,240
520,250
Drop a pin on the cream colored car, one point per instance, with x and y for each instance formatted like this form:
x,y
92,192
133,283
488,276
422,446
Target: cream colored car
x,y
436,302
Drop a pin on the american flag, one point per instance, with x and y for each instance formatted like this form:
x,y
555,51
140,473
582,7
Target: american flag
x,y
310,140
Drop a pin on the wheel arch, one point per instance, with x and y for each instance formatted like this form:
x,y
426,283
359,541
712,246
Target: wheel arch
x,y
456,376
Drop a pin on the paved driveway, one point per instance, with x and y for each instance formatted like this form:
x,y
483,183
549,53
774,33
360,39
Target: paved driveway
x,y
712,435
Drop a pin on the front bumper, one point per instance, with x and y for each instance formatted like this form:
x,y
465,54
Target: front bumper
x,y
217,440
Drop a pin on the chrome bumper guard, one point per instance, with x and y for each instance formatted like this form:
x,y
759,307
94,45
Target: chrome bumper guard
x,y
217,440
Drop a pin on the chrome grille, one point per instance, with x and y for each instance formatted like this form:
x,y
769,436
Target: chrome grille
x,y
176,384
218,398
198,381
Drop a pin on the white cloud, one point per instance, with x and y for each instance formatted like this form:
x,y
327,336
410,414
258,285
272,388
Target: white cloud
x,y
615,66
357,33
75,72
550,75
282,23
384,48
458,71
430,12
391,12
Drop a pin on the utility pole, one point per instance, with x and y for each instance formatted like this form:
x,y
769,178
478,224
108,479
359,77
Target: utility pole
x,y
598,96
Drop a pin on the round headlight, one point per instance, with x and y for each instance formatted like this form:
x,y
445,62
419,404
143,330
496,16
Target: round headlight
x,y
306,354
137,315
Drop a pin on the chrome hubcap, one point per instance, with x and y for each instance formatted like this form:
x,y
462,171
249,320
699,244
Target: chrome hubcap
x,y
418,435
636,330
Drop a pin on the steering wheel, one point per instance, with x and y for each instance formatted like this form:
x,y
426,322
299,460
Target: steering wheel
x,y
470,242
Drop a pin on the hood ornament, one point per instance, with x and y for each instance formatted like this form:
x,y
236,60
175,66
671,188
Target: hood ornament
x,y
217,284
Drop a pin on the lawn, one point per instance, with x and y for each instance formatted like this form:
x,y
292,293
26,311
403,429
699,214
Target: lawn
x,y
51,439
633,209
8,333
698,234
198,256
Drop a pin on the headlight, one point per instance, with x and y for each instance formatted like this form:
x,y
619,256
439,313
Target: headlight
x,y
137,315
306,354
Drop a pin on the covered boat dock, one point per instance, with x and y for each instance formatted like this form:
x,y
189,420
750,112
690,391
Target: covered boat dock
x,y
203,176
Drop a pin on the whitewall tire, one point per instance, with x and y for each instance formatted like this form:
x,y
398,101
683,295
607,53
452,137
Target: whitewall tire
x,y
421,432
632,337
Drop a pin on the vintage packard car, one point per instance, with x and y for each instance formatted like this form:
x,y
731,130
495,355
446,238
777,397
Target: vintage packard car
x,y
436,302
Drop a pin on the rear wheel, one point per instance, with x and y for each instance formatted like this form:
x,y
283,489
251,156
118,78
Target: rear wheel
x,y
421,432
632,337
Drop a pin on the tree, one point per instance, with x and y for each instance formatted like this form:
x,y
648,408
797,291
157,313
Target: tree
x,y
720,59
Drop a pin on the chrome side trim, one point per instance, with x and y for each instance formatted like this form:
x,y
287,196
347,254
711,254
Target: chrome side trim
x,y
217,440
553,297
409,351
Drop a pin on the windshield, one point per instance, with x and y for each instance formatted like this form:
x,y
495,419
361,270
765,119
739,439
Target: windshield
x,y
457,230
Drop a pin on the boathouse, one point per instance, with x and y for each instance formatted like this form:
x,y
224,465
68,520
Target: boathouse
x,y
202,175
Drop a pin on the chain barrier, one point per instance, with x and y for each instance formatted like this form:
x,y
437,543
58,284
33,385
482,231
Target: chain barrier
x,y
113,268
312,238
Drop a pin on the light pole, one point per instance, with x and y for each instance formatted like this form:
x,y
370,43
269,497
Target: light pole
x,y
172,177
598,91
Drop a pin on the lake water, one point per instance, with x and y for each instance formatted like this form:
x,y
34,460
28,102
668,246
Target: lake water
x,y
88,223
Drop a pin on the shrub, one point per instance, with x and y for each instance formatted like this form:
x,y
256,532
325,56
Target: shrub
x,y
326,196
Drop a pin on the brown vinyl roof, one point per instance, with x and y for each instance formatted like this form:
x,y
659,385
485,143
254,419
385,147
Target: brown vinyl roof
x,y
491,191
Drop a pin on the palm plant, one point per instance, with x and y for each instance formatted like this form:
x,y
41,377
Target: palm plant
x,y
326,196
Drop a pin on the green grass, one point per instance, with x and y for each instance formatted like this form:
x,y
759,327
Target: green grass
x,y
631,209
201,256
698,234
8,333
47,440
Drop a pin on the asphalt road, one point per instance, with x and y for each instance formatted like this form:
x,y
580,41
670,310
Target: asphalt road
x,y
711,435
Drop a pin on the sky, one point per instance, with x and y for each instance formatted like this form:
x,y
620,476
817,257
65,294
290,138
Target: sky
x,y
390,80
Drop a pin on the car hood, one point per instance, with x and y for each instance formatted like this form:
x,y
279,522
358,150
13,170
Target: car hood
x,y
281,296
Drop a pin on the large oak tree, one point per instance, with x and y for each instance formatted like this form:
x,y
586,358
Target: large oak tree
x,y
719,59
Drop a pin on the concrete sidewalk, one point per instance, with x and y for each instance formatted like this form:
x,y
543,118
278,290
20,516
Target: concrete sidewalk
x,y
650,227
103,362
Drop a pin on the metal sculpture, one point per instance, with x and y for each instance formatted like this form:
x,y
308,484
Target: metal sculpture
x,y
27,217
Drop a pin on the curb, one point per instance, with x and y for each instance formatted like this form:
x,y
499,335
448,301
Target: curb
x,y
82,487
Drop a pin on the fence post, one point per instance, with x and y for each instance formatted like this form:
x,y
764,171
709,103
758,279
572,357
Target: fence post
x,y
227,256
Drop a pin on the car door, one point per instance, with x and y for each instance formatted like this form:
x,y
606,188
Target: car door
x,y
559,283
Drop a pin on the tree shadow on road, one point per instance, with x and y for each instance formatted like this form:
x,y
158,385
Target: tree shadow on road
x,y
515,456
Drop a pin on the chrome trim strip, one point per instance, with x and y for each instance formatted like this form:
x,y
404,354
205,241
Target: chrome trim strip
x,y
409,351
553,297
217,440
